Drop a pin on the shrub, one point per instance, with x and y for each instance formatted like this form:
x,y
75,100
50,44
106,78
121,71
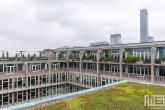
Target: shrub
x,y
70,56
73,59
131,59
107,58
163,58
90,57
139,92
83,57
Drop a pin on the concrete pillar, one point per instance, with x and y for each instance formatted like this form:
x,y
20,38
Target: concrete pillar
x,y
26,95
49,76
13,98
26,71
59,79
153,51
98,67
39,93
81,54
68,54
12,83
57,55
2,99
120,63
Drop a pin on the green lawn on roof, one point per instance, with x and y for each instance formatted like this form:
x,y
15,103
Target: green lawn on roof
x,y
127,96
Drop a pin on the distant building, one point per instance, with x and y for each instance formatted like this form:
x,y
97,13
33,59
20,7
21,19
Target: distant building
x,y
99,44
144,25
64,47
115,39
150,39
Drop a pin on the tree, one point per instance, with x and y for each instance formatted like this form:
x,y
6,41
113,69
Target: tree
x,y
3,55
28,55
7,54
16,56
40,55
23,56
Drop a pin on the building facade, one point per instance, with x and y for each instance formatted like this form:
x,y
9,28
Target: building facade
x,y
143,25
67,70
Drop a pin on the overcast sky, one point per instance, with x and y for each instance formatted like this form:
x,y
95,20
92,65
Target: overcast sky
x,y
33,25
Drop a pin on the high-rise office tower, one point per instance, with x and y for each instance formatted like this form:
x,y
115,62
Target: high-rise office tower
x,y
144,25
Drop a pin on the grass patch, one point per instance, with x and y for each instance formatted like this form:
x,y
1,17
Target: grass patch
x,y
111,99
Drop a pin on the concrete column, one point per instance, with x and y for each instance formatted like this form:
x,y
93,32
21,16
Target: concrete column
x,y
26,71
13,98
120,63
39,80
2,99
57,55
98,67
12,83
59,79
153,51
68,54
26,95
38,93
49,78
49,88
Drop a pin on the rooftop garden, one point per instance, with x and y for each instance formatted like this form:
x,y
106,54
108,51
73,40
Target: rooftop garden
x,y
126,96
131,59
89,57
105,59
21,57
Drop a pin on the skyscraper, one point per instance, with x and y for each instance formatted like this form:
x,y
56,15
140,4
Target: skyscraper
x,y
144,25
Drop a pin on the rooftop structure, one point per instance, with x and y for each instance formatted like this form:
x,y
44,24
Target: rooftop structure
x,y
151,39
65,70
115,39
99,44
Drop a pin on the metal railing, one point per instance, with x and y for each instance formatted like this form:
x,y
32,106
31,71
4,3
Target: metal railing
x,y
158,61
109,73
137,76
159,78
89,71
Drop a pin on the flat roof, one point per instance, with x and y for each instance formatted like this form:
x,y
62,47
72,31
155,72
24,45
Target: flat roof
x,y
127,45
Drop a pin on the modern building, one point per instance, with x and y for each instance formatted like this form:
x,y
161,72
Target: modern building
x,y
67,70
99,44
143,25
115,39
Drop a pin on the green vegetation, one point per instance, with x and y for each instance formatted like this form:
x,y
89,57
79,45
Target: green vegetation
x,y
7,54
111,58
73,59
126,96
28,56
90,57
3,56
139,92
23,56
16,56
163,58
131,59
40,55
